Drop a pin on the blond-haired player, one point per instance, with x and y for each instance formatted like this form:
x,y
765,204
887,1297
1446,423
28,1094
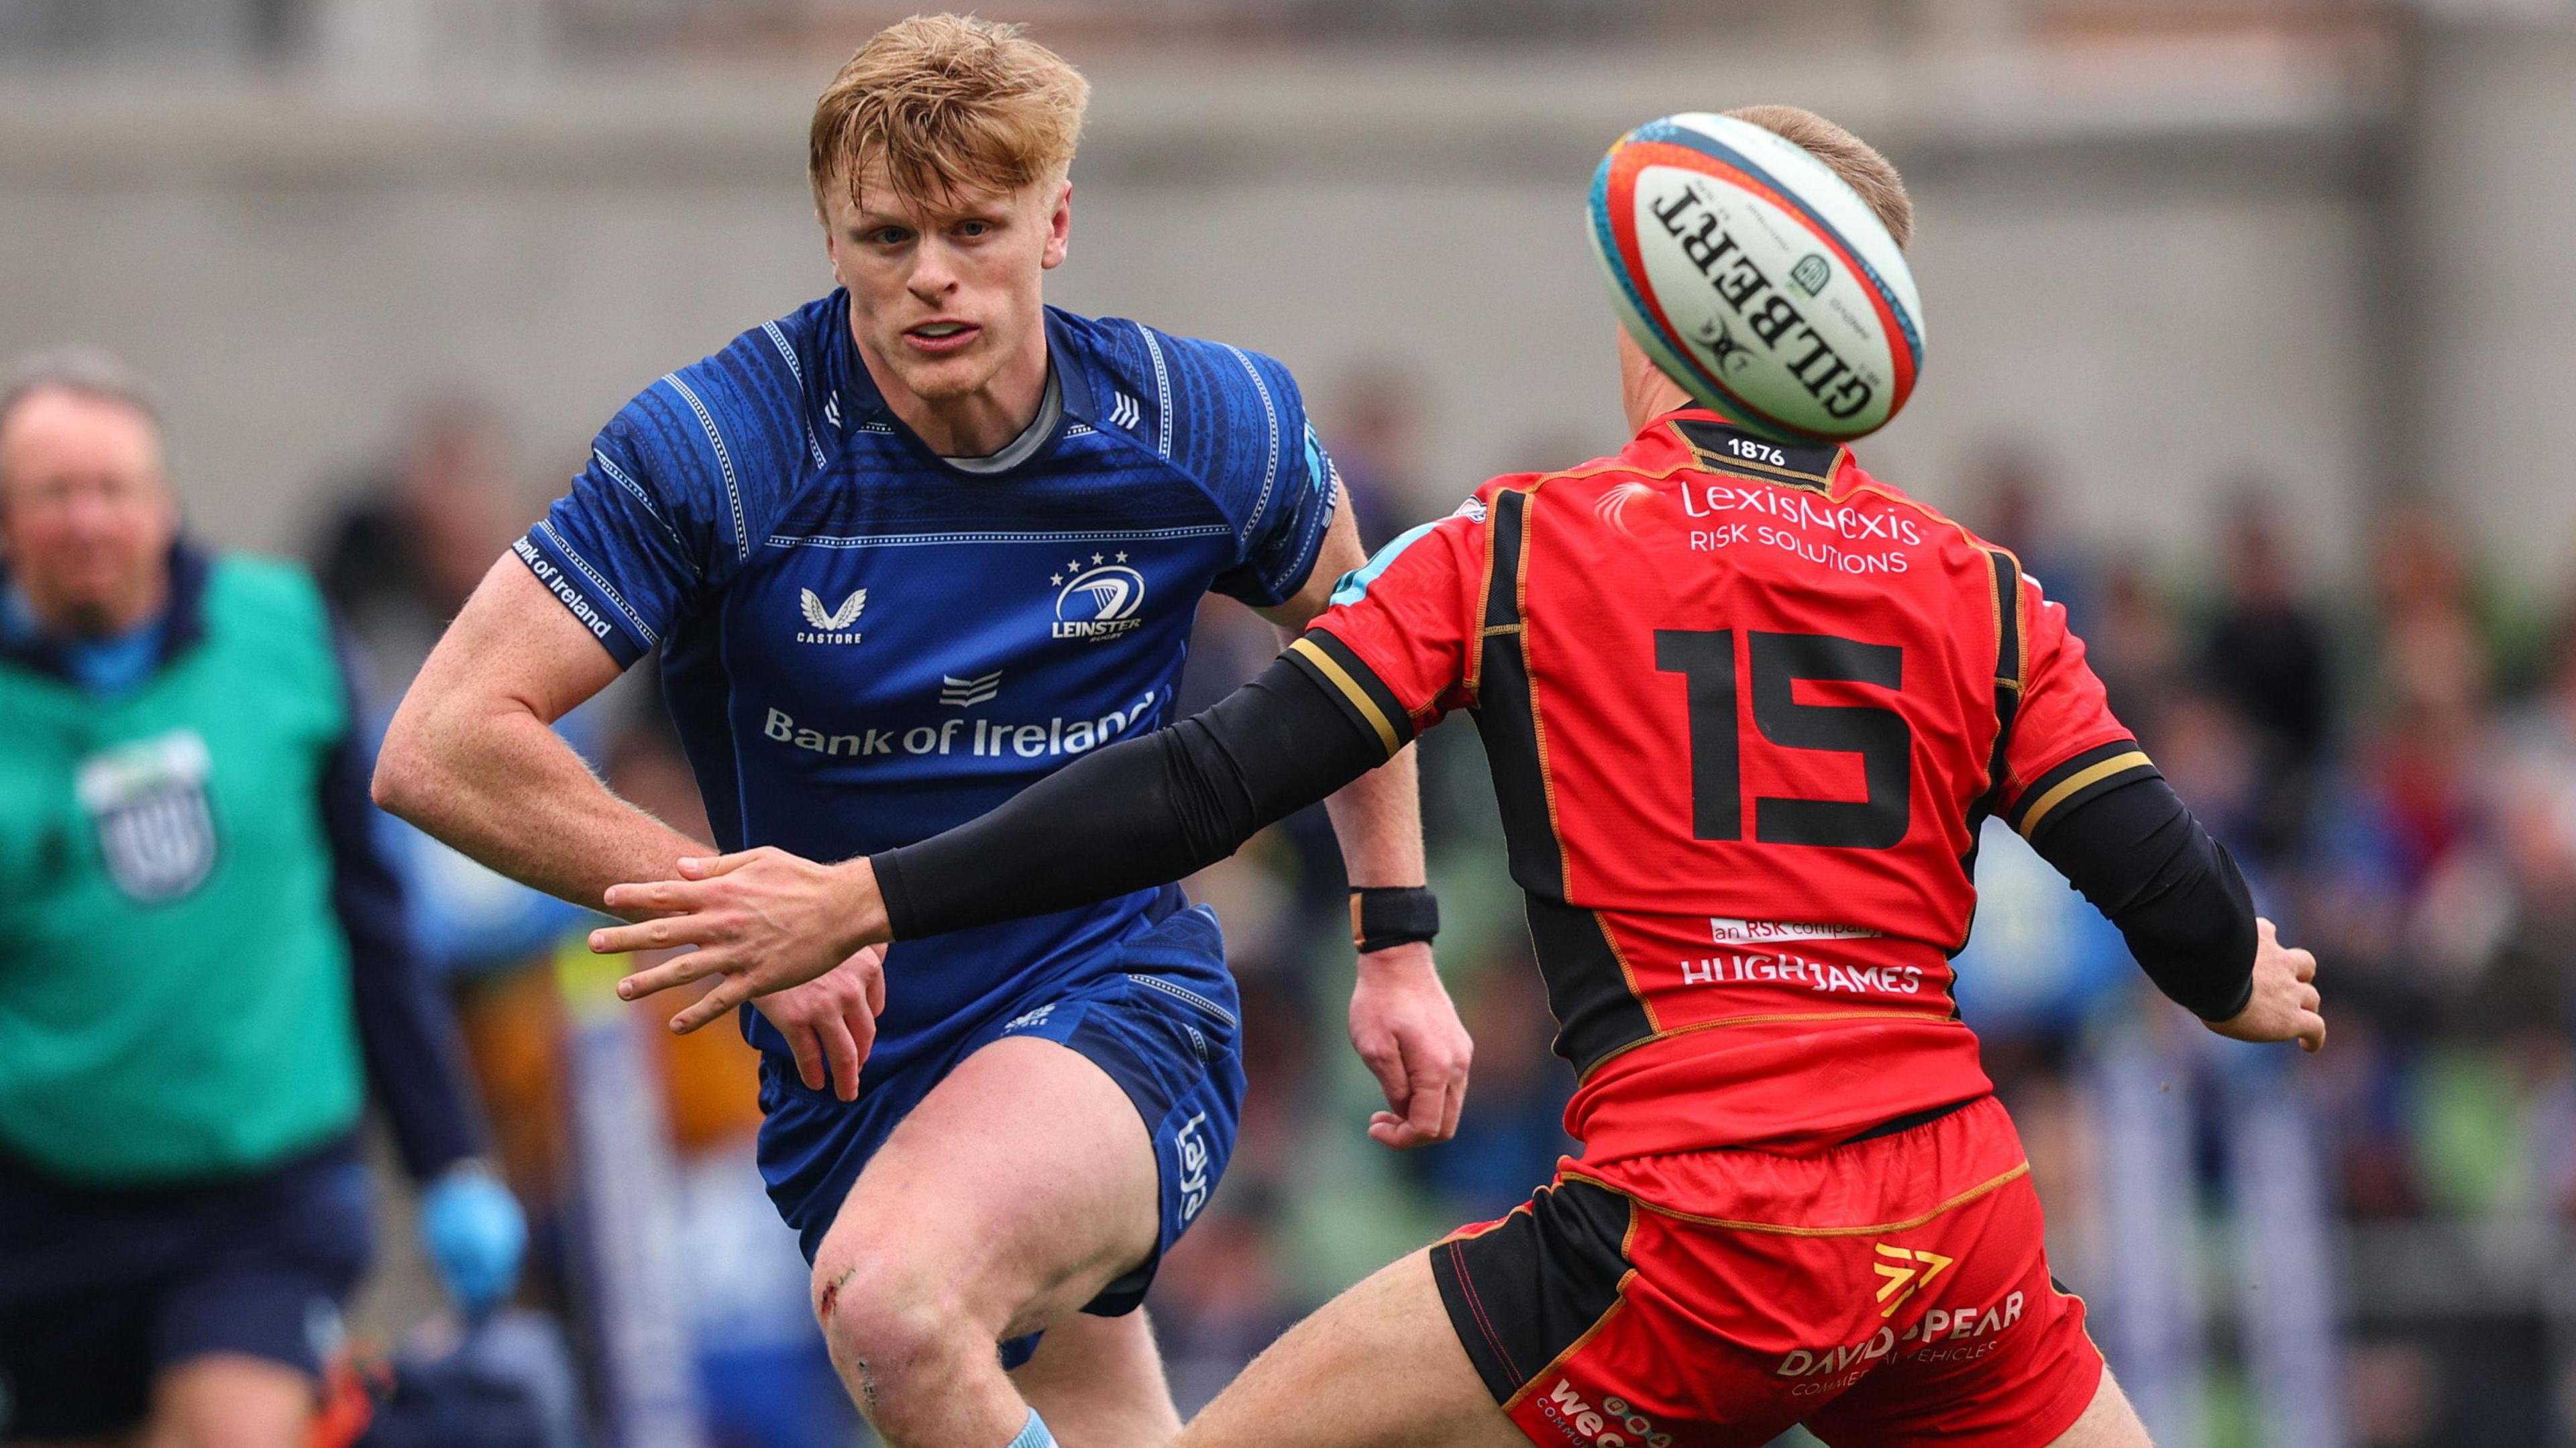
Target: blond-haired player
x,y
902,553
1741,790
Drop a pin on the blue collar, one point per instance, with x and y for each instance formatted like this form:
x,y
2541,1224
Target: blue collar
x,y
842,388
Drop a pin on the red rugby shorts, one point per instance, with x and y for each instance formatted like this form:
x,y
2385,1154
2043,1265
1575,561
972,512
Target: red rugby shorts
x,y
1890,1291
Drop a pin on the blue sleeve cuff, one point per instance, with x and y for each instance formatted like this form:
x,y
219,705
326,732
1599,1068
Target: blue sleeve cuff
x,y
593,602
1274,579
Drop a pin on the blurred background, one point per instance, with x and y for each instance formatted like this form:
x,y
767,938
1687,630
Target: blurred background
x,y
2249,327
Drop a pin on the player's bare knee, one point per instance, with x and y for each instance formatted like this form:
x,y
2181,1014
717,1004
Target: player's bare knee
x,y
884,1308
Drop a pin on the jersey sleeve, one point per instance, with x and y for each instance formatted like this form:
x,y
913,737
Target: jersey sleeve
x,y
621,551
1279,482
2065,745
1399,642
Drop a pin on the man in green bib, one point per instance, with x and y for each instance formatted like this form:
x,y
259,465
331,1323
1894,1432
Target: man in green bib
x,y
205,968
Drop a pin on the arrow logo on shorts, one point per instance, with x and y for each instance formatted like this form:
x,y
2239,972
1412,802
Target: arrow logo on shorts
x,y
1903,1281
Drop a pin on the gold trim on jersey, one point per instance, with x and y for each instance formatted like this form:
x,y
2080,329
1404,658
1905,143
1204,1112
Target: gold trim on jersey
x,y
1352,689
2116,764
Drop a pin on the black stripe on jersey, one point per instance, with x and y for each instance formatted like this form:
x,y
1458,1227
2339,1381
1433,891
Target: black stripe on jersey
x,y
2011,663
2093,772
1505,528
1523,1291
1596,1012
2008,680
1355,686
1587,988
1506,717
1731,449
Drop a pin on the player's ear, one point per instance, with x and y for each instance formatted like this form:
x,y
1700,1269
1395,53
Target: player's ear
x,y
1059,227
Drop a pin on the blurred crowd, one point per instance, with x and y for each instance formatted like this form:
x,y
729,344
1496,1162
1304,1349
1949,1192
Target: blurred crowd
x,y
2393,762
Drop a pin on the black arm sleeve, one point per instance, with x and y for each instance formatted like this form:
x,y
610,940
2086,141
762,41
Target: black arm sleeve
x,y
1141,813
2175,893
406,1032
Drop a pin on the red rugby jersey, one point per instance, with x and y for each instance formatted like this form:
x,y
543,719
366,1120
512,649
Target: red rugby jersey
x,y
1745,707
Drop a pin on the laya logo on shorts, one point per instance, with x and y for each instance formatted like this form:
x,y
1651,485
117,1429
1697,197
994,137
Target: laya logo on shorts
x,y
1616,1424
1192,1149
1907,1270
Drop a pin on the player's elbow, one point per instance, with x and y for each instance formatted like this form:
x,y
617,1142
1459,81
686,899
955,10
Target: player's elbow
x,y
416,766
401,785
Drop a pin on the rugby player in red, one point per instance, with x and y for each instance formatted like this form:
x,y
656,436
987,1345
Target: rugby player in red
x,y
1746,707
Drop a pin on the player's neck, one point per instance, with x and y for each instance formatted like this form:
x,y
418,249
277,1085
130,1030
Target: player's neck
x,y
1644,390
974,424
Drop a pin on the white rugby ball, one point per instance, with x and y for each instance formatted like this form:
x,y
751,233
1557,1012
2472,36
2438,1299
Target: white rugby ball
x,y
1757,278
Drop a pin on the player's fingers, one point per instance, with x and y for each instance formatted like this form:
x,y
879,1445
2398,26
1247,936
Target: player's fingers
x,y
2305,963
653,895
2312,1032
2265,935
1386,1063
1425,1092
871,964
678,970
844,1052
699,867
863,1040
715,1005
1394,1132
808,1048
1423,1096
2309,1000
661,934
1453,1103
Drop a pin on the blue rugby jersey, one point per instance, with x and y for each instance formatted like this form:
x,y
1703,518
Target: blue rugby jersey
x,y
863,645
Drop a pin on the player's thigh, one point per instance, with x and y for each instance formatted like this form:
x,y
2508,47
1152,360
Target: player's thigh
x,y
231,1400
1022,1185
1377,1367
1098,1383
2109,1422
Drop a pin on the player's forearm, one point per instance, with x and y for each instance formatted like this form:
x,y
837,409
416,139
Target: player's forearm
x,y
1141,813
2173,891
493,781
1378,819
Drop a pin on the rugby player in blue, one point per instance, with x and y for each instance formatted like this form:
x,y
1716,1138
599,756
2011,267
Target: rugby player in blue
x,y
902,553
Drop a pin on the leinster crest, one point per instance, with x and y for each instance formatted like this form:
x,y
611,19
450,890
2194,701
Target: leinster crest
x,y
147,799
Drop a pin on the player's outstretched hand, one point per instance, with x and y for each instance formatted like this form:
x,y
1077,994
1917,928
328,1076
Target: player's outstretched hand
x,y
830,1022
765,920
2285,1002
1408,1034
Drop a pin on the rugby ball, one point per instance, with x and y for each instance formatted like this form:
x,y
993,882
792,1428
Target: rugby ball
x,y
1756,278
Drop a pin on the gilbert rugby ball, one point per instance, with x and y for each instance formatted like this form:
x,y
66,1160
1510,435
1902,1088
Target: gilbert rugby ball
x,y
1757,278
